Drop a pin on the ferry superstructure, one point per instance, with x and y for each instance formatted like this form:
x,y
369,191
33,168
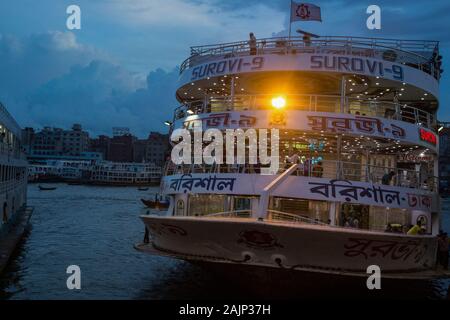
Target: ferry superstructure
x,y
358,153
13,186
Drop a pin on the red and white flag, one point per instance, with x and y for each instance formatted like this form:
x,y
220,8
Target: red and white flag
x,y
305,12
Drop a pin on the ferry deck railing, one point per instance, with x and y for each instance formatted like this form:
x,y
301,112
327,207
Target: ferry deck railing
x,y
414,53
272,215
330,169
314,103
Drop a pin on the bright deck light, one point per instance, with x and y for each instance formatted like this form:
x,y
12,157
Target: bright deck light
x,y
279,102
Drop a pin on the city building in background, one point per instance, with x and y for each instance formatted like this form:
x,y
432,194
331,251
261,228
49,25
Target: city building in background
x,y
57,143
121,148
56,154
157,148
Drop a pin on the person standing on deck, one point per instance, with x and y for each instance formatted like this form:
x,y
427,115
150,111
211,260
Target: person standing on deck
x,y
416,229
252,44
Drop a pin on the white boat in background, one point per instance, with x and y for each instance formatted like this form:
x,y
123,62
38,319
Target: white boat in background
x,y
123,174
358,117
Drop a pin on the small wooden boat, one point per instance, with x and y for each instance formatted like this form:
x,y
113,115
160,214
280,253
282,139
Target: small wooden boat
x,y
143,189
155,204
46,188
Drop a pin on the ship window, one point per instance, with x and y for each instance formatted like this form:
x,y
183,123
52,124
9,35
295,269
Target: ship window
x,y
180,208
309,209
380,217
203,204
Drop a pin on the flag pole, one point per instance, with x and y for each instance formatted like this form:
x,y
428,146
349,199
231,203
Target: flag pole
x,y
290,20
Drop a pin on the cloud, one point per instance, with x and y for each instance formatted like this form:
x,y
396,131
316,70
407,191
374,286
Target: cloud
x,y
56,78
53,80
26,63
101,95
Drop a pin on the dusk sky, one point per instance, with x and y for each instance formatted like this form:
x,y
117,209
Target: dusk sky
x,y
120,69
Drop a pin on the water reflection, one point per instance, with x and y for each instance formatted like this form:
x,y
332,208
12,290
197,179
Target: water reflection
x,y
96,227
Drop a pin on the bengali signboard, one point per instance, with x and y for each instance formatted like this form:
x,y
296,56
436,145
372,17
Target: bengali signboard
x,y
303,187
321,122
313,61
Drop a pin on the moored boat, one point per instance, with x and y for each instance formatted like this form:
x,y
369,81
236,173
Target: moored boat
x,y
159,205
356,143
13,187
43,188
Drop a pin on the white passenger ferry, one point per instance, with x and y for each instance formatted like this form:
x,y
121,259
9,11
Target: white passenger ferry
x,y
358,152
13,186
123,174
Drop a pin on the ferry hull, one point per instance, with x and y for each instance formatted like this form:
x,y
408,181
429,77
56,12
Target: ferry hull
x,y
290,246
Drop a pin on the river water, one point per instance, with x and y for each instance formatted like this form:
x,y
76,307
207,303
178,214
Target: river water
x,y
96,227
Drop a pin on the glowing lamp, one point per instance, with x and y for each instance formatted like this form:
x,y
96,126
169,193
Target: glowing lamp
x,y
278,102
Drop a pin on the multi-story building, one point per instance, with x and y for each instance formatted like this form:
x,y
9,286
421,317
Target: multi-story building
x,y
100,145
140,150
157,147
75,141
56,142
121,148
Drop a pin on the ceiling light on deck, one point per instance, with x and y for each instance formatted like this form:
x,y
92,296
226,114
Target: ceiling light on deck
x,y
168,123
189,111
440,128
279,102
377,83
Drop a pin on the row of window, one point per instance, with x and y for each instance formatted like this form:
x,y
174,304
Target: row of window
x,y
8,173
116,174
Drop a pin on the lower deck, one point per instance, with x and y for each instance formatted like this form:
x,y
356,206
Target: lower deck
x,y
333,214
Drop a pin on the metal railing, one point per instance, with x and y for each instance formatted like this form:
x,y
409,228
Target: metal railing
x,y
316,103
275,215
330,169
410,52
232,214
272,215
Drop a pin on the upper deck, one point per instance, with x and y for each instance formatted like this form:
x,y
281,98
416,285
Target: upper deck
x,y
419,54
379,63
